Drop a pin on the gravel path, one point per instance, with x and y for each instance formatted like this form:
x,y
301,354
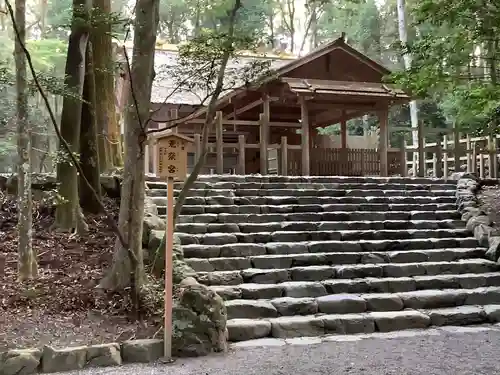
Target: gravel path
x,y
448,351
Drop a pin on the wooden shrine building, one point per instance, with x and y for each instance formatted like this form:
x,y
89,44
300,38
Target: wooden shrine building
x,y
272,127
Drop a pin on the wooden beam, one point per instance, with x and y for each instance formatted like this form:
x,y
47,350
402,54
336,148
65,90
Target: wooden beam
x,y
306,162
241,110
383,144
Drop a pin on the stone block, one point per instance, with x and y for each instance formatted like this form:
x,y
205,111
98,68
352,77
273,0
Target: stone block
x,y
104,355
482,234
142,351
247,329
341,304
239,309
299,289
348,323
261,291
493,252
388,321
429,299
65,359
20,361
457,316
287,306
474,221
493,313
296,326
383,302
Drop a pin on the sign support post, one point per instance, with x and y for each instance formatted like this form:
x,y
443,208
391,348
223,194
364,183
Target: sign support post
x,y
171,151
169,256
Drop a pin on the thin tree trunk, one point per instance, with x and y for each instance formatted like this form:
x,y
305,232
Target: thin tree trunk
x,y
89,156
27,265
403,37
69,215
128,266
209,118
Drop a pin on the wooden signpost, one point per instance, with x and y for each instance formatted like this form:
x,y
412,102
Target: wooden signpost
x,y
172,165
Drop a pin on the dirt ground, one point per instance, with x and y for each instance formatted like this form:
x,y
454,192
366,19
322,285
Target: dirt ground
x,y
62,307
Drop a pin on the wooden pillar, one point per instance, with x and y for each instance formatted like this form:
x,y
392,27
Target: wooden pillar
x,y
306,161
264,143
421,150
284,156
481,165
343,132
147,149
197,147
241,154
219,143
154,151
174,115
383,143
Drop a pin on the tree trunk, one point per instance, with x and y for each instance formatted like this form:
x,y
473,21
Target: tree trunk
x,y
110,151
89,156
69,215
128,266
27,265
403,37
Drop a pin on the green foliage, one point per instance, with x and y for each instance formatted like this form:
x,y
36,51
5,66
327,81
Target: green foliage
x,y
455,61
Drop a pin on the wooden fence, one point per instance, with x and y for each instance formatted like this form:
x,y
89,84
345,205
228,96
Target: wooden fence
x,y
285,159
454,153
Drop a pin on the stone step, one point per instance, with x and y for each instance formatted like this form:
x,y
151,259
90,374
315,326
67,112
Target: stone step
x,y
306,185
344,209
201,228
319,273
224,238
237,218
233,193
359,303
253,207
310,289
237,179
378,321
230,262
283,248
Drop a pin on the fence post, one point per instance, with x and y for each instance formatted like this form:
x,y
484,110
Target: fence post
x,y
404,167
284,156
491,156
481,165
474,159
154,151
241,154
219,145
468,152
445,157
439,157
456,148
421,150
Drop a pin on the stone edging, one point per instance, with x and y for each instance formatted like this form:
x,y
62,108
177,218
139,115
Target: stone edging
x,y
477,220
48,359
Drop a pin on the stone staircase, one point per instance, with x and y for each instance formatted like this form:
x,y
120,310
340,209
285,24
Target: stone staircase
x,y
308,256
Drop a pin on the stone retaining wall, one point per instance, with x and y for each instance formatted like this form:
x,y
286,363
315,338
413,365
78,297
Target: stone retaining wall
x,y
477,220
